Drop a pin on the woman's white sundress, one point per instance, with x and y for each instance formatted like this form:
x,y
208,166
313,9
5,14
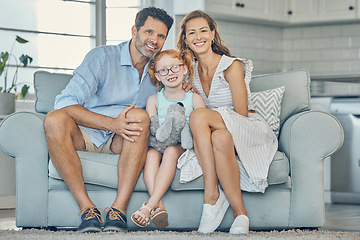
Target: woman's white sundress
x,y
254,141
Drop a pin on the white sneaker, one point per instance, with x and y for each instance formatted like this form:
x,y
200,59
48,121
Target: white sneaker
x,y
212,215
240,225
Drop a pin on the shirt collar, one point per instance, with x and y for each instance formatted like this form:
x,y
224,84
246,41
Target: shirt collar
x,y
125,54
126,57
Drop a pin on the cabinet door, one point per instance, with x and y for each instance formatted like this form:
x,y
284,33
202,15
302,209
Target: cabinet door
x,y
337,10
279,10
302,11
258,9
183,7
222,7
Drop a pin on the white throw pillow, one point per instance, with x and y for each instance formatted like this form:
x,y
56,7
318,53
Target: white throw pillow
x,y
267,104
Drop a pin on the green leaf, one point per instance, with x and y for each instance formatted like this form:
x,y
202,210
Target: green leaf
x,y
20,40
25,91
3,59
25,59
4,56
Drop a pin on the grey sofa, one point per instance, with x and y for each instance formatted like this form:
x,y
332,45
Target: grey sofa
x,y
294,198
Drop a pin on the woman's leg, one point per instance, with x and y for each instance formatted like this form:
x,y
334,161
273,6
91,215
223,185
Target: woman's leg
x,y
215,152
227,169
202,123
229,177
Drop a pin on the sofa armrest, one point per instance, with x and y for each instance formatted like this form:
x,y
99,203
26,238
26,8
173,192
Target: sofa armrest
x,y
22,136
307,138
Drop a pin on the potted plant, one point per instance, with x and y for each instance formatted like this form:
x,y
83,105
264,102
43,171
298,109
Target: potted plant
x,y
7,97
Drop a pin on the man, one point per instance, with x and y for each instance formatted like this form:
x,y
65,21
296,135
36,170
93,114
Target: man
x,y
101,110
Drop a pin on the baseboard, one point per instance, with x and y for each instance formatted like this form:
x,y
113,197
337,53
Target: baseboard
x,y
345,197
7,202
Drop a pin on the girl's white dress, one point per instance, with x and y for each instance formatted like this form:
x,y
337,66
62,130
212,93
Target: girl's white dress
x,y
254,141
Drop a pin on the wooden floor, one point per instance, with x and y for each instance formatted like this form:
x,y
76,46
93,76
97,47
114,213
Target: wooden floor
x,y
342,217
338,217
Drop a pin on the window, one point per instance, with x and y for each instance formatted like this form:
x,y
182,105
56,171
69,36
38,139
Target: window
x,y
120,17
59,32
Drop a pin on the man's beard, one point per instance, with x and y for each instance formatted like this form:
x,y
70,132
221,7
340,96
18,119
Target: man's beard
x,y
143,49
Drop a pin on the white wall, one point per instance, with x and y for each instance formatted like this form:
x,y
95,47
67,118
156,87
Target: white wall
x,y
323,49
332,49
262,44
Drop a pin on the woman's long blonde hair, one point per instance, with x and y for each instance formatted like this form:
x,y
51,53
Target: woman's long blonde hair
x,y
217,45
186,57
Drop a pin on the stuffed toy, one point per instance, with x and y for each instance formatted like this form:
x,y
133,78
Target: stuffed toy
x,y
174,130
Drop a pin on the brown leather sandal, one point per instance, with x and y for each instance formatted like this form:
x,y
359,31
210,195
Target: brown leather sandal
x,y
160,218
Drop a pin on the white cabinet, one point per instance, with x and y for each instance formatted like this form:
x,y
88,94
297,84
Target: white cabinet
x,y
225,7
303,11
258,9
294,11
274,11
238,9
279,10
330,10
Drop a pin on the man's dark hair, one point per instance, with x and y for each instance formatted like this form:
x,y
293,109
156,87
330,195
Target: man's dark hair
x,y
156,13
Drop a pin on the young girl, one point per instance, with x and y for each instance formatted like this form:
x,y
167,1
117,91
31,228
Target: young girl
x,y
169,69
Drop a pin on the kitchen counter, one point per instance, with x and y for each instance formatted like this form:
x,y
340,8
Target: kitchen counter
x,y
345,85
346,78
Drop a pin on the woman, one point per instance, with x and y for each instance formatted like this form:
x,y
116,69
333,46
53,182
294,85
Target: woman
x,y
229,120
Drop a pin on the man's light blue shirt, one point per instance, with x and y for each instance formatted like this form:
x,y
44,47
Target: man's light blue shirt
x,y
106,82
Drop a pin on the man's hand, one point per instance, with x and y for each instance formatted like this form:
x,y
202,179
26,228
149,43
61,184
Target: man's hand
x,y
127,127
187,87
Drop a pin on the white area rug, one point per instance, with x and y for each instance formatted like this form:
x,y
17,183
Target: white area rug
x,y
34,234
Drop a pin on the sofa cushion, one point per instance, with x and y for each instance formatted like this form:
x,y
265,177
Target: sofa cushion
x,y
47,87
101,169
267,104
98,169
296,98
279,170
278,173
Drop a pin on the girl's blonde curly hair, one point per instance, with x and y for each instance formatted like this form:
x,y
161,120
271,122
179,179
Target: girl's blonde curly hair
x,y
186,57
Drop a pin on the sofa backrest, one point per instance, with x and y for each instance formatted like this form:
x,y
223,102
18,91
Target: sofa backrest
x,y
47,87
296,97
